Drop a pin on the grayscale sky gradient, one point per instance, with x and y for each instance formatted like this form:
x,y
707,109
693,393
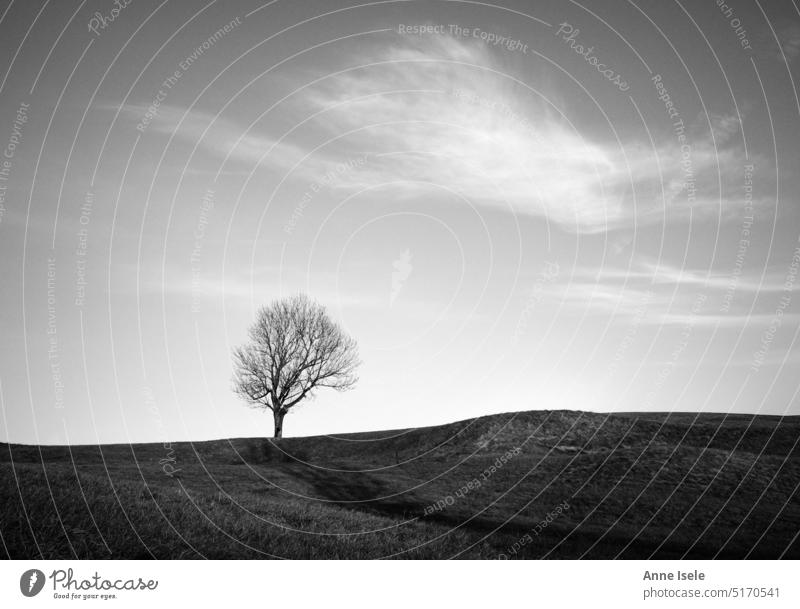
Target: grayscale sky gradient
x,y
501,223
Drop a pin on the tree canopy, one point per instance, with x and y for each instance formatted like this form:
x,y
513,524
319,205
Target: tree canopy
x,y
294,348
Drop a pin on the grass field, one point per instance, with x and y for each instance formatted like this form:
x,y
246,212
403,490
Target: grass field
x,y
554,484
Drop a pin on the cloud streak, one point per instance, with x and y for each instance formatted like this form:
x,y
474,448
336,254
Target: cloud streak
x,y
658,293
220,137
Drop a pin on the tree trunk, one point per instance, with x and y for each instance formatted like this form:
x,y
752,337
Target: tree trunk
x,y
278,415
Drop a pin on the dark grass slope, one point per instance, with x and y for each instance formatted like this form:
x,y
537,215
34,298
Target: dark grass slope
x,y
557,484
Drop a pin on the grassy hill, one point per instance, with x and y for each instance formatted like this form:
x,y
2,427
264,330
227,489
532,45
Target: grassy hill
x,y
555,484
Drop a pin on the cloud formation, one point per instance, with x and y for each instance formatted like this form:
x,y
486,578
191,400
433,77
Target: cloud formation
x,y
437,113
442,111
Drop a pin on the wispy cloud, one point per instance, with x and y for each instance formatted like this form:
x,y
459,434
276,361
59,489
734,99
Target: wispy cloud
x,y
440,114
790,42
446,114
220,137
662,294
645,270
725,127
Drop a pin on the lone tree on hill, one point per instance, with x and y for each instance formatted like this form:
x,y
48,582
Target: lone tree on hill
x,y
294,348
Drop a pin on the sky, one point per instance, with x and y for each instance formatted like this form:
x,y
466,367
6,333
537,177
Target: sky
x,y
510,206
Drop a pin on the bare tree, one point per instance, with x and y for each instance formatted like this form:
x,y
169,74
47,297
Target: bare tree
x,y
294,348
